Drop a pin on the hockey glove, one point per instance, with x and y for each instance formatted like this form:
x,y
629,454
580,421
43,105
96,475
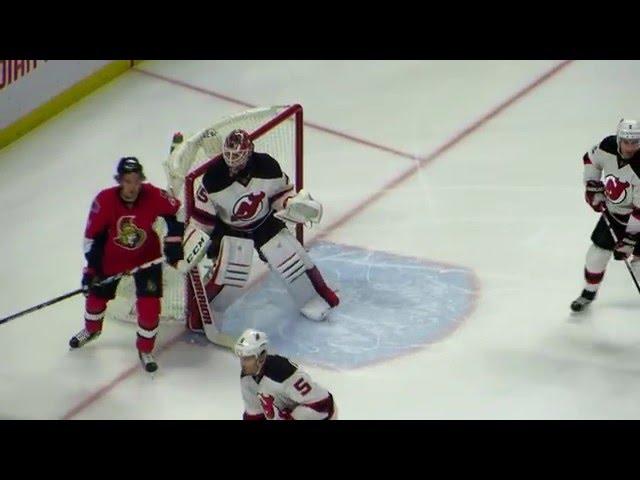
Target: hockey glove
x,y
624,247
594,195
89,279
173,250
301,209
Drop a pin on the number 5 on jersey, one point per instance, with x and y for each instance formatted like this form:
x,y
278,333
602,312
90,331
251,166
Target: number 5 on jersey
x,y
302,386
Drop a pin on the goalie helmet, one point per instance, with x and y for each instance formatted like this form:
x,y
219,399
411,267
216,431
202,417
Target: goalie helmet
x,y
628,130
251,343
237,149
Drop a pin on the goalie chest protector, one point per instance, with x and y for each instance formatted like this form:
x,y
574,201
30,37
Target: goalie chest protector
x,y
245,200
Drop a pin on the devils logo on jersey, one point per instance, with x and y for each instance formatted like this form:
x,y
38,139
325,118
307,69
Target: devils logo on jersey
x,y
270,409
247,206
267,405
129,235
615,189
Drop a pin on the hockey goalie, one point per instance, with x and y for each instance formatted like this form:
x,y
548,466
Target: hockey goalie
x,y
241,204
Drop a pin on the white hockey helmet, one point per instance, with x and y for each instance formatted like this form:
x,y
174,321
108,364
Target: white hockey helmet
x,y
251,343
628,130
236,149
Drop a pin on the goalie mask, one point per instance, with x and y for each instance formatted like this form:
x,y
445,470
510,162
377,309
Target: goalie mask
x,y
237,149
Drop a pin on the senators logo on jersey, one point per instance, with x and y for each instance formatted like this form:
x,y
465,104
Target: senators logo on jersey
x,y
248,206
615,189
129,235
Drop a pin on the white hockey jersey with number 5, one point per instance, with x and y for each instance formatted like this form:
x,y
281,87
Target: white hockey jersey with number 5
x,y
283,391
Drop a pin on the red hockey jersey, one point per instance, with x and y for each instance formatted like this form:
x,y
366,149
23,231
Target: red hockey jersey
x,y
120,236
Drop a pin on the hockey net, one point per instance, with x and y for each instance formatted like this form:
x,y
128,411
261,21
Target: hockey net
x,y
275,130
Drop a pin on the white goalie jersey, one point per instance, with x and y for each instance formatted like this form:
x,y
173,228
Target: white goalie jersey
x,y
242,203
621,180
285,392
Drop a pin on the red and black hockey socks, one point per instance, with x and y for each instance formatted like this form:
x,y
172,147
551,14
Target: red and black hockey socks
x,y
148,319
94,313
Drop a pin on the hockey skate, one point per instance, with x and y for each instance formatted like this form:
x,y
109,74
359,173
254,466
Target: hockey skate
x,y
83,337
148,362
316,309
585,298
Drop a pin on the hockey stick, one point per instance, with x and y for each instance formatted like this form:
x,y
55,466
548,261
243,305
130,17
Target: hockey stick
x,y
615,237
207,315
81,290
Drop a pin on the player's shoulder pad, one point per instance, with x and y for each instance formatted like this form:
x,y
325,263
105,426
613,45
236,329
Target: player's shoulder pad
x,y
149,189
149,192
634,163
216,177
609,145
265,166
162,193
107,196
278,368
108,192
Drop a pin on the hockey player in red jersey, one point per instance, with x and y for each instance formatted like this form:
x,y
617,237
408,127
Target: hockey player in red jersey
x,y
612,183
119,236
274,388
240,205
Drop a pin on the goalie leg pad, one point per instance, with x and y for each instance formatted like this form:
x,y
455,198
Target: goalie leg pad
x,y
233,265
286,256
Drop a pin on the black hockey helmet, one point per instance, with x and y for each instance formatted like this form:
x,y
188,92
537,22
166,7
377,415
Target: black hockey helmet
x,y
129,165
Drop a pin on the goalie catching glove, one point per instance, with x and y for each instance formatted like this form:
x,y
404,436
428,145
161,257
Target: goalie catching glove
x,y
301,209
